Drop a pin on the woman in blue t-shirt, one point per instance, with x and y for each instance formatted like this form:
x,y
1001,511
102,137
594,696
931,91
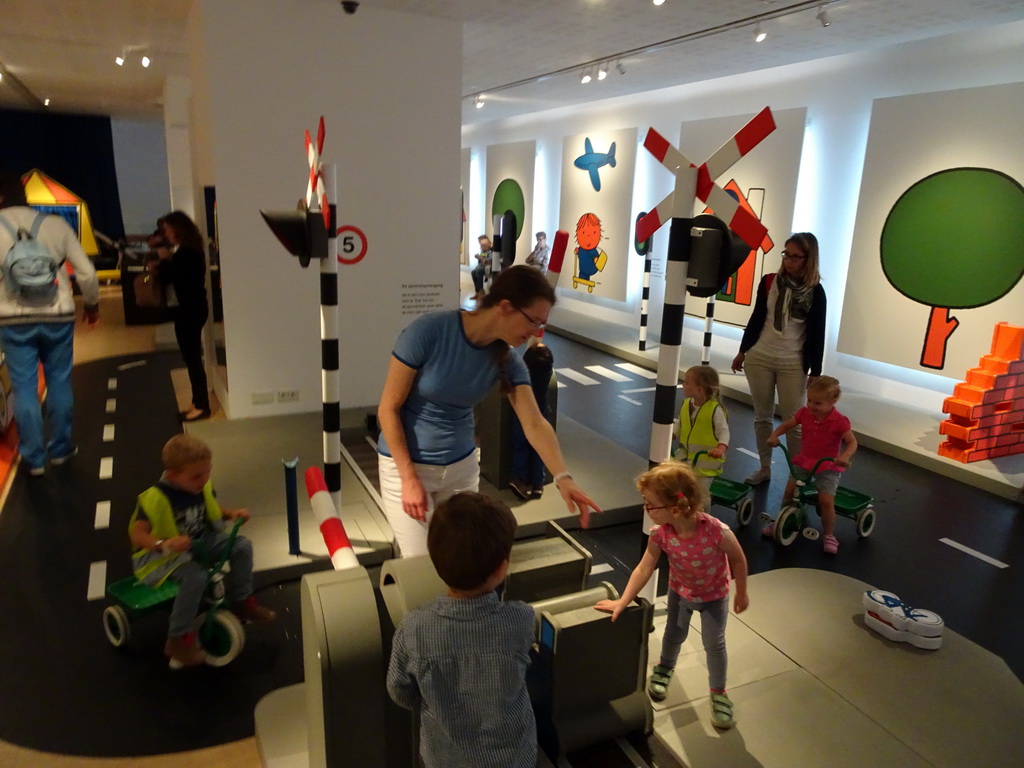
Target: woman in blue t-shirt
x,y
443,364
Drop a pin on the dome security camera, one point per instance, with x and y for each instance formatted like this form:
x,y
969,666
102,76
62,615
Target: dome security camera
x,y
349,6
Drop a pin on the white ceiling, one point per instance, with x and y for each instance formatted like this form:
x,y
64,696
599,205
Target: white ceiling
x,y
64,49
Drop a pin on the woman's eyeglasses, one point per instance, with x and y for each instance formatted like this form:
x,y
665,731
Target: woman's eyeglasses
x,y
793,256
534,323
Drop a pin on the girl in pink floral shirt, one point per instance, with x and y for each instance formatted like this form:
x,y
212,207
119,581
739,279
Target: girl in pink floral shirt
x,y
702,552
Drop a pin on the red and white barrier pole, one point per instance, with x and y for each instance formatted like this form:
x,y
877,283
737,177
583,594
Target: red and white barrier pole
x,y
338,545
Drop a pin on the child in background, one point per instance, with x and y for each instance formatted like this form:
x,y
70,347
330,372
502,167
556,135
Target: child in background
x,y
170,519
824,431
703,423
702,552
461,660
527,468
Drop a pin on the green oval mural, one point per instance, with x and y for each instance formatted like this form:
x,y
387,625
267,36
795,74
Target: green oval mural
x,y
508,196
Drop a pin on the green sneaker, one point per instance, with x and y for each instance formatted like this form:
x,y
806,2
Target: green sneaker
x,y
657,687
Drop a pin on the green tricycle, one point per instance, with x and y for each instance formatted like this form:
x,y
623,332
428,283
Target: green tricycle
x,y
219,631
731,493
791,520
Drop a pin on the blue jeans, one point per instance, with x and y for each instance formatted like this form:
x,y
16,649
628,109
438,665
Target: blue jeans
x,y
192,577
25,346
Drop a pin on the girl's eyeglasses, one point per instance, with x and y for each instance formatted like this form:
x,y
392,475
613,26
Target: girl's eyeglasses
x,y
648,508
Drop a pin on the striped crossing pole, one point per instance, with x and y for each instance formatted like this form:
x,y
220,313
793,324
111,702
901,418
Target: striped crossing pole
x,y
709,324
643,248
692,183
644,300
329,352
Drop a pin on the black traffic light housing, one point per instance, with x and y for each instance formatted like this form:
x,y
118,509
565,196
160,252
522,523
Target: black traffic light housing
x,y
301,232
714,255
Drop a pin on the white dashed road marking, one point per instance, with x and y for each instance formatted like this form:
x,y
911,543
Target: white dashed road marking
x,y
975,553
102,515
108,433
642,389
637,370
111,404
97,580
111,383
630,400
576,376
608,373
106,467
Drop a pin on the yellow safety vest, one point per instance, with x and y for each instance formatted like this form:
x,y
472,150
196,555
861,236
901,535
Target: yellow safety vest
x,y
157,507
699,436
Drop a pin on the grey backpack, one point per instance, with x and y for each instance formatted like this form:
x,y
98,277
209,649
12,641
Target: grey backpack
x,y
29,269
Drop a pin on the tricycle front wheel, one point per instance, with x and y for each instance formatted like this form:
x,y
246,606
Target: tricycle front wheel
x,y
788,524
221,636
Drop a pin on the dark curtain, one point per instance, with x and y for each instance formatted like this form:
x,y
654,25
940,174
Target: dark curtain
x,y
75,150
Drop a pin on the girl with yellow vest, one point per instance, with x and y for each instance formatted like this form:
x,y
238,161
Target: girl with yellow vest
x,y
703,423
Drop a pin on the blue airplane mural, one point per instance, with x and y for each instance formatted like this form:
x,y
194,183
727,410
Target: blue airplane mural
x,y
591,161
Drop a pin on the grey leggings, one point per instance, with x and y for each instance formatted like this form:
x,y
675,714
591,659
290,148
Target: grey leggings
x,y
713,616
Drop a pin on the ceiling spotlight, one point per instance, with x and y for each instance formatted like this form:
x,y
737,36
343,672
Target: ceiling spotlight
x,y
586,77
119,61
822,16
46,102
478,102
602,71
621,69
659,2
145,61
759,34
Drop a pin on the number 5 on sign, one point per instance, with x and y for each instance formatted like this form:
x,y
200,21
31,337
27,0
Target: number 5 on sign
x,y
351,244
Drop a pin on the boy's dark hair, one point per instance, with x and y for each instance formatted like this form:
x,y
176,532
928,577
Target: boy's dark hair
x,y
11,190
538,357
470,535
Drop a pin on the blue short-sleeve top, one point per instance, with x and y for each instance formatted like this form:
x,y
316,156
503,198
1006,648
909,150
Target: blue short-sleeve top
x,y
452,376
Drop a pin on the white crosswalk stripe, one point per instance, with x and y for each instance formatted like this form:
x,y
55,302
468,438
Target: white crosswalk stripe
x,y
608,373
576,376
630,400
637,370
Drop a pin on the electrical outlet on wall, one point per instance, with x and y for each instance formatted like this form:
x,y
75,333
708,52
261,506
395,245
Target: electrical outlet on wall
x,y
288,396
262,398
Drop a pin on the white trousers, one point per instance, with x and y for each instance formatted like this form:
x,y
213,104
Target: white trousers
x,y
440,482
766,375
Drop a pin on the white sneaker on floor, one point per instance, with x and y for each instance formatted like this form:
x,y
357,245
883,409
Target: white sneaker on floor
x,y
36,471
762,475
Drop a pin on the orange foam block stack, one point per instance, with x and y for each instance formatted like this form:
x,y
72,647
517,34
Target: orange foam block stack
x,y
986,412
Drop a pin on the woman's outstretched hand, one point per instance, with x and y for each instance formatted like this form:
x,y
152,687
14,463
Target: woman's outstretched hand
x,y
576,500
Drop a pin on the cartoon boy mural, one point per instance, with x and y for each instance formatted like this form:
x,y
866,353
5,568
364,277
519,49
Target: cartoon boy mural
x,y
589,258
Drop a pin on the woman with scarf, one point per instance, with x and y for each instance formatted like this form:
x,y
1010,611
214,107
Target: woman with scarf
x,y
783,344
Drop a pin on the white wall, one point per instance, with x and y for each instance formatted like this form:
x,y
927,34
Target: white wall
x,y
140,161
388,86
838,94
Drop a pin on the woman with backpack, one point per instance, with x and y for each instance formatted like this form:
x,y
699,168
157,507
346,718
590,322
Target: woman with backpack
x,y
783,344
182,268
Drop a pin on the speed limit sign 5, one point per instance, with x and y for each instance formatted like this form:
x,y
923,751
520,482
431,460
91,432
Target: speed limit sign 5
x,y
351,244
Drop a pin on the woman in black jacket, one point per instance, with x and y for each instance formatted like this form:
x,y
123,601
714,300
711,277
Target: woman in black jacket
x,y
783,344
182,270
